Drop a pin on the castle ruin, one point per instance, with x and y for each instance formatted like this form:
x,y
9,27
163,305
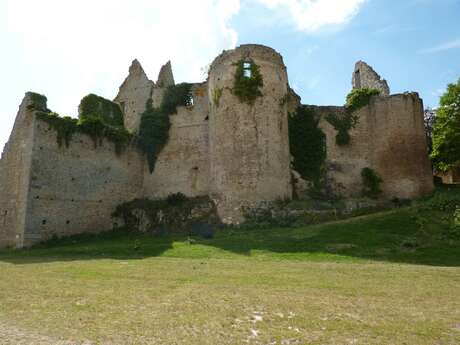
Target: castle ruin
x,y
236,152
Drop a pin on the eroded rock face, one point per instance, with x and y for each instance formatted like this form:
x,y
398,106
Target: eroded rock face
x,y
364,76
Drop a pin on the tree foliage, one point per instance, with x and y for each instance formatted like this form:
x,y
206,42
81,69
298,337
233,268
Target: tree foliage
x,y
446,130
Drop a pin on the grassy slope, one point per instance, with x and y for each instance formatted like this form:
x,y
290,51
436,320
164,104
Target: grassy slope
x,y
390,278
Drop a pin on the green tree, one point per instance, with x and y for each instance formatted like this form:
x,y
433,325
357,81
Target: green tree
x,y
446,131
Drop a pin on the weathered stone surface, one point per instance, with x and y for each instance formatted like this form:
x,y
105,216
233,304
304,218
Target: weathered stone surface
x,y
133,95
248,144
365,77
166,77
236,153
390,139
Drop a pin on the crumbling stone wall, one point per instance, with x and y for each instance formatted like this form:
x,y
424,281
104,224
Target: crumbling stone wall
x,y
248,143
388,138
133,95
15,177
235,152
183,164
364,76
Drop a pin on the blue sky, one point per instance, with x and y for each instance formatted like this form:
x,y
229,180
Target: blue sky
x,y
67,49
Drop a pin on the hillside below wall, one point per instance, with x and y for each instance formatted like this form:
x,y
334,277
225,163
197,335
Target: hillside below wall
x,y
75,189
390,139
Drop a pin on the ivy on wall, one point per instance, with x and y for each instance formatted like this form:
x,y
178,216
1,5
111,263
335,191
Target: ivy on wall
x,y
66,126
248,81
93,107
356,99
307,144
99,118
371,183
38,102
155,123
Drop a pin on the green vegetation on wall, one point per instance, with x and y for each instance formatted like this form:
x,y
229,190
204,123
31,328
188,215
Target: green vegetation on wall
x,y
248,81
95,128
38,102
155,122
446,130
307,144
93,107
371,183
216,95
356,99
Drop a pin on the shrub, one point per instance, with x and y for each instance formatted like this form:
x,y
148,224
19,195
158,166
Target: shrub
x,y
247,88
93,107
307,144
371,183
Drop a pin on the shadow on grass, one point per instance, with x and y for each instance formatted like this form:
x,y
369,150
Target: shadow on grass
x,y
393,236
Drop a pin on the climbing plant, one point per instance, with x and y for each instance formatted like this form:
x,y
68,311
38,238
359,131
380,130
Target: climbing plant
x,y
93,107
307,144
371,183
155,123
356,99
248,81
38,102
66,126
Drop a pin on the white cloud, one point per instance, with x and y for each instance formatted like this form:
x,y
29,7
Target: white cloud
x,y
442,47
86,44
312,15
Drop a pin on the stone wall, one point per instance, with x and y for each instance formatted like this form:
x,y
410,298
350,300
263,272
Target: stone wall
x,y
249,145
364,76
15,177
183,164
75,189
390,139
133,95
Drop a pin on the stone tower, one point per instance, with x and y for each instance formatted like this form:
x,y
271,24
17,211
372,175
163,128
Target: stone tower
x,y
248,143
364,76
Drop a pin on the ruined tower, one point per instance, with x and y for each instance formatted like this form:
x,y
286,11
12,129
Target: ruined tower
x,y
364,76
248,143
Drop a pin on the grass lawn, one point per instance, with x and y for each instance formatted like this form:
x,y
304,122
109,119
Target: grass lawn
x,y
388,278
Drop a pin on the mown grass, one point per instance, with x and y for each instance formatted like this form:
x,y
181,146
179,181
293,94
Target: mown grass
x,y
387,278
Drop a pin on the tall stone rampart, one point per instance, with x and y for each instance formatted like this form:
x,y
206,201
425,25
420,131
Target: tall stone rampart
x,y
75,189
388,138
249,145
183,164
15,171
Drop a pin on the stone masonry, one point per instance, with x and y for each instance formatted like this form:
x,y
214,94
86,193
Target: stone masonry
x,y
236,153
